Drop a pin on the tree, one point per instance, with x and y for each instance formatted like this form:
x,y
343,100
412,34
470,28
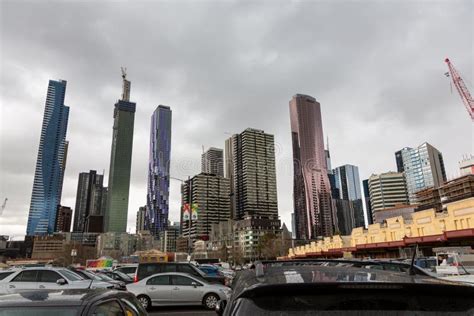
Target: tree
x,y
268,246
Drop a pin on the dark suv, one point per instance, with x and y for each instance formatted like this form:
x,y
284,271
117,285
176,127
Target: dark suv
x,y
146,269
343,287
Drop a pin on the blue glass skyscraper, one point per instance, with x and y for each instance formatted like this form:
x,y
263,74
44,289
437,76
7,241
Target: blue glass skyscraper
x,y
157,202
50,164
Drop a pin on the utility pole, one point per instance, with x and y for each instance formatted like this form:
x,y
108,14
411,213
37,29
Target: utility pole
x,y
190,203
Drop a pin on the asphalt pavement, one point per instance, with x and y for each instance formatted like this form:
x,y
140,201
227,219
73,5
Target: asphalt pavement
x,y
184,310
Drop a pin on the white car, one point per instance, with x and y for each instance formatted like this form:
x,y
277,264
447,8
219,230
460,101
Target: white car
x,y
47,279
128,269
164,289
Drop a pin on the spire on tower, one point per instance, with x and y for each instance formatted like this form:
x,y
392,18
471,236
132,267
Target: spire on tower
x,y
125,85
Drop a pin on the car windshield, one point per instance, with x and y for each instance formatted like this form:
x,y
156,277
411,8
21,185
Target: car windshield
x,y
39,311
123,275
91,275
71,276
104,277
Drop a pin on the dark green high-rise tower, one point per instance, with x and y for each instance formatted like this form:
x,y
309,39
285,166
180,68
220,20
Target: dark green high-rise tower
x,y
120,162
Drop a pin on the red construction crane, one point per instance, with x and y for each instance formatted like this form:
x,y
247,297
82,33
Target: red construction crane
x,y
462,88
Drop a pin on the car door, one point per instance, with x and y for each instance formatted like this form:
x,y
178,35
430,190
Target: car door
x,y
184,292
47,280
25,280
159,289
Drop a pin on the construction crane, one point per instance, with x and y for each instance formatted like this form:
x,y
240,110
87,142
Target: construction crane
x,y
3,206
461,87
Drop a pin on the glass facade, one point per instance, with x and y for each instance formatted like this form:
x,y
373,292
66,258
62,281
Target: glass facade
x,y
115,219
50,163
313,207
157,205
423,167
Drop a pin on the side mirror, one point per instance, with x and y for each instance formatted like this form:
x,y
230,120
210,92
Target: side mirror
x,y
220,307
194,284
61,281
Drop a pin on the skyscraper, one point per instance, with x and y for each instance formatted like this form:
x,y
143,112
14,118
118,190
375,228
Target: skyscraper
x,y
63,219
423,167
252,173
368,206
88,199
311,189
157,200
210,195
50,163
212,162
387,190
140,224
348,183
120,162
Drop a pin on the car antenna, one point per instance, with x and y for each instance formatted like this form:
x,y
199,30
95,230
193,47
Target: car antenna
x,y
411,271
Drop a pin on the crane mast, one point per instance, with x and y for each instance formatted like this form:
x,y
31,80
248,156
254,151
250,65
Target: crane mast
x,y
462,88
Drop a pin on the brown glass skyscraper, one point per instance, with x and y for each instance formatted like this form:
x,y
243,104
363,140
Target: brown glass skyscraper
x,y
311,189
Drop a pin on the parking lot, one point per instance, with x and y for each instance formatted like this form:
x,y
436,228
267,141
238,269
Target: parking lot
x,y
181,311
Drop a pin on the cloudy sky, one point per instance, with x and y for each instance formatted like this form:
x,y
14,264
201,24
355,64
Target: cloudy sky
x,y
222,66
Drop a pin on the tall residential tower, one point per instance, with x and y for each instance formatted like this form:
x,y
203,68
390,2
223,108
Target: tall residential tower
x,y
311,189
157,199
120,162
252,174
50,162
212,162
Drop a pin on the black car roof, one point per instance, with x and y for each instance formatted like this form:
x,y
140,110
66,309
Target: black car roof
x,y
72,297
275,273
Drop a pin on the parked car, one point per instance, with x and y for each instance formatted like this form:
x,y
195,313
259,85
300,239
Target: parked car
x,y
88,275
118,275
146,269
210,270
178,289
128,269
343,287
5,273
71,303
47,279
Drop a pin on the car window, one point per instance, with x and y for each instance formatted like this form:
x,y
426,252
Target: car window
x,y
39,311
151,269
110,308
159,280
133,307
186,269
71,275
3,275
169,268
181,280
127,269
48,276
118,275
25,276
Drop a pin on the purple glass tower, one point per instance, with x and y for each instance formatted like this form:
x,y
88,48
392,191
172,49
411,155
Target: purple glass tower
x,y
157,201
311,189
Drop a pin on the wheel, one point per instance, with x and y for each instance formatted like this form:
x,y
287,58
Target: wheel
x,y
210,301
145,301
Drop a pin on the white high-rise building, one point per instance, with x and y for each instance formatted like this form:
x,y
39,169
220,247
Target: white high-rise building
x,y
423,167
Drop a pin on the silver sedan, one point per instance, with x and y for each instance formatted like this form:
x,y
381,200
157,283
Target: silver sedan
x,y
165,289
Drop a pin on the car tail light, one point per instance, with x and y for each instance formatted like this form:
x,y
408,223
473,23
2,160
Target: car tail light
x,y
135,278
